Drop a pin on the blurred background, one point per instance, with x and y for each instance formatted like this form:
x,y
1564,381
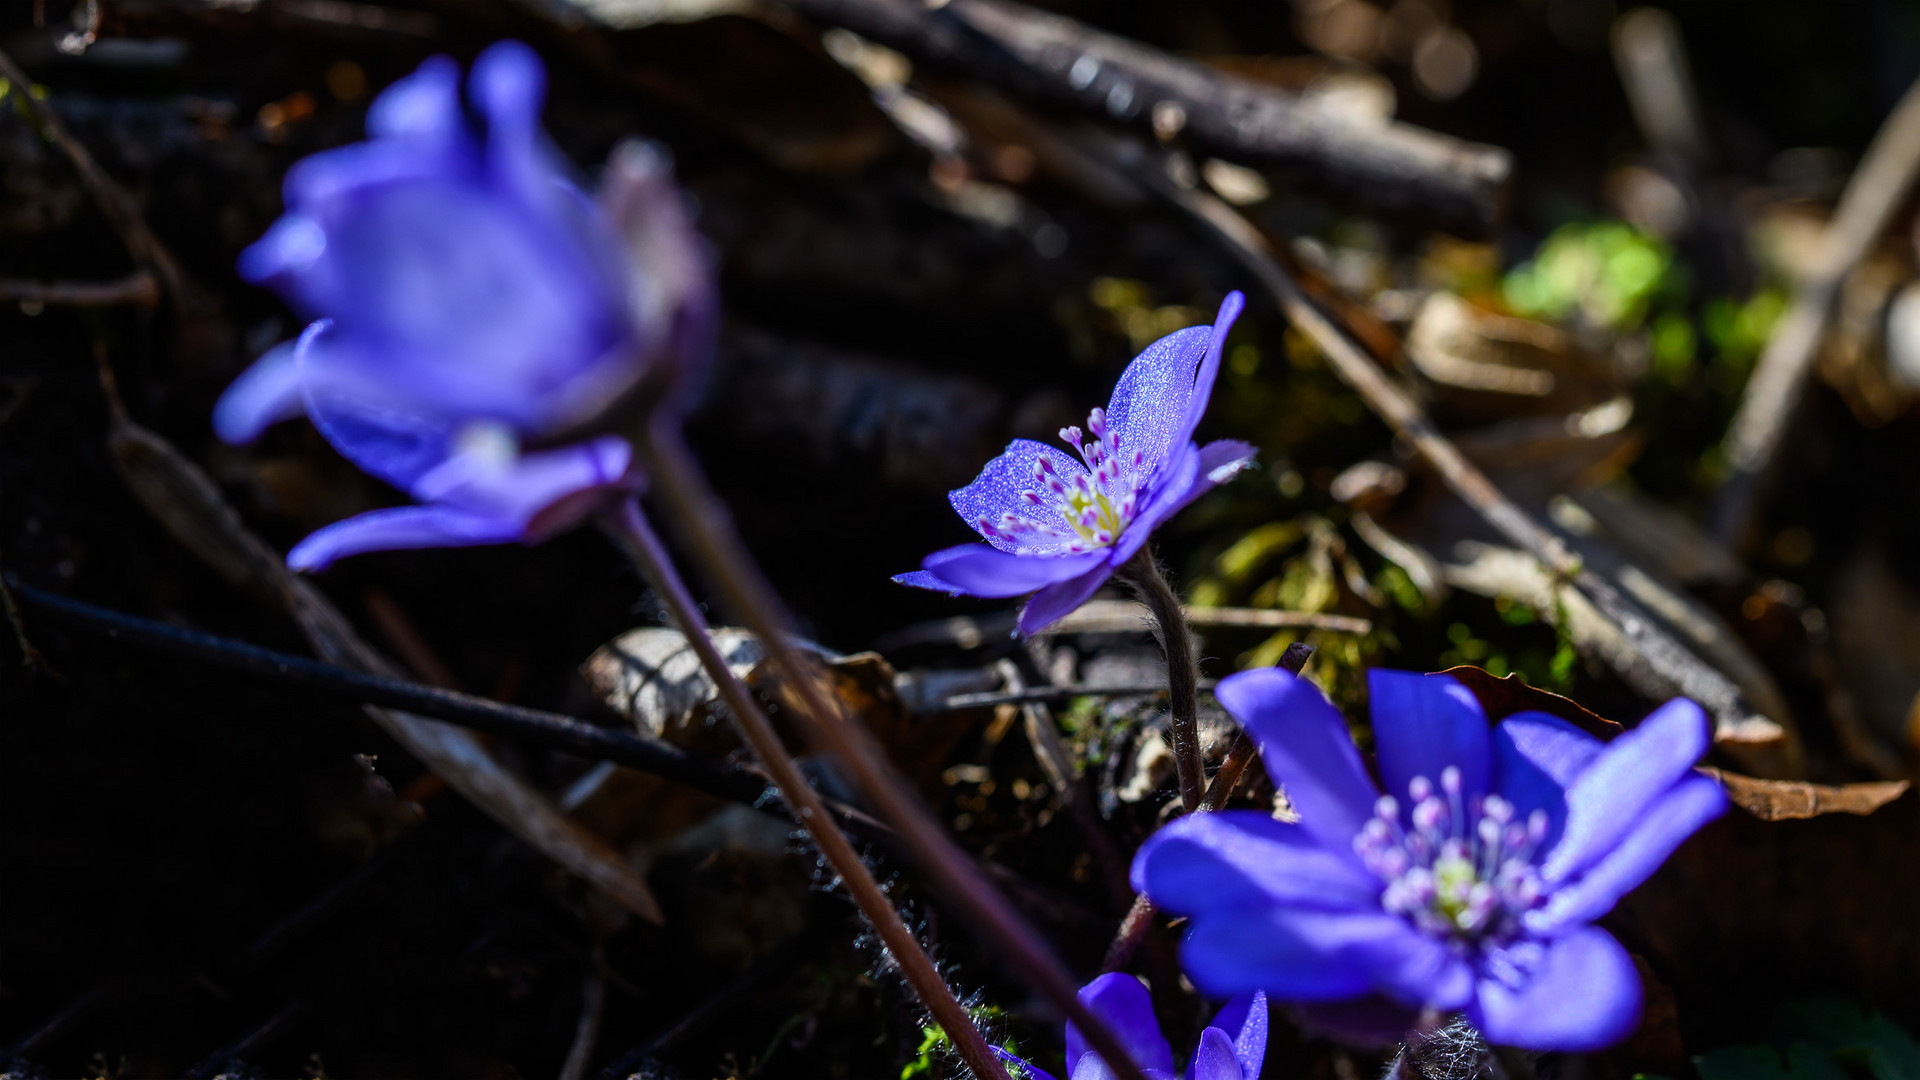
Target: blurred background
x,y
1569,228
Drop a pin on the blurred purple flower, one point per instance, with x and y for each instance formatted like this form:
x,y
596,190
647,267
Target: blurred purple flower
x,y
1059,527
470,298
467,277
1231,1048
474,484
1471,885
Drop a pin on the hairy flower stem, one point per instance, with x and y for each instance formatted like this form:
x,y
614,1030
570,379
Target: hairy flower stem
x,y
1139,920
1183,673
707,533
636,536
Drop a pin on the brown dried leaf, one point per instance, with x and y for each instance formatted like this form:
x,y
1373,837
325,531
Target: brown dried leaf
x,y
1789,800
1504,697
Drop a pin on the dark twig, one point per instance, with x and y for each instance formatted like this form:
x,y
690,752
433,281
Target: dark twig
x,y
636,536
1053,693
232,1057
1658,665
113,200
550,730
707,532
1049,58
30,656
138,288
1876,191
1139,920
1183,673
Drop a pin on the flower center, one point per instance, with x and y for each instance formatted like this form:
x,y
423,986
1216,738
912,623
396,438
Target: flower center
x,y
1457,869
1095,506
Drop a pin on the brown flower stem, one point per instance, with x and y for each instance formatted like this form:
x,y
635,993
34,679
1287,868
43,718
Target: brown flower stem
x,y
1183,673
1139,920
634,534
707,533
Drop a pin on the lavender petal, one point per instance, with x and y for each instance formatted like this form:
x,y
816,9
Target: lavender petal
x,y
997,492
1582,993
979,570
1664,826
1294,954
1214,1058
1123,1004
1615,792
1205,862
398,528
1303,740
1536,757
1423,724
1059,600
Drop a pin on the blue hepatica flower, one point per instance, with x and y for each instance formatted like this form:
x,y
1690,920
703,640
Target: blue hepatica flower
x,y
1059,526
1231,1048
469,298
1471,885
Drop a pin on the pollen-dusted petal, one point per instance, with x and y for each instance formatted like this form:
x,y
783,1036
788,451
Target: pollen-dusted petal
x,y
1201,862
1656,833
1123,1004
1001,486
1230,307
1148,413
1022,1070
1615,792
1580,994
1244,1019
979,570
1424,724
1174,489
1304,742
1214,1058
399,528
1059,600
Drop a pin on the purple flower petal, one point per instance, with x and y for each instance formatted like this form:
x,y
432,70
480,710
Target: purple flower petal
x,y
1577,993
1536,757
1222,459
396,445
1244,1019
1119,1000
1423,724
920,579
264,394
400,527
1214,1058
1234,858
423,105
1615,792
979,570
1173,488
1160,398
997,492
1230,307
1664,826
1059,600
1415,967
1299,955
1307,750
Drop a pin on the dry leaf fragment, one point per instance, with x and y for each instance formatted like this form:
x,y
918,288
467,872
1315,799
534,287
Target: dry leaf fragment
x,y
1788,800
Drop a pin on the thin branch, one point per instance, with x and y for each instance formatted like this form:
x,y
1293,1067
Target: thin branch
x,y
1659,664
112,199
637,538
707,532
1876,191
1049,58
139,289
531,726
1032,694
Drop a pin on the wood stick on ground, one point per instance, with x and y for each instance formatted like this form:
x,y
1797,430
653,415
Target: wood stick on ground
x,y
187,503
139,289
113,200
1047,58
1877,189
1659,664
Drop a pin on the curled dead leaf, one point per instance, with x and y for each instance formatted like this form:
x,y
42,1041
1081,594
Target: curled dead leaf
x,y
1788,800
